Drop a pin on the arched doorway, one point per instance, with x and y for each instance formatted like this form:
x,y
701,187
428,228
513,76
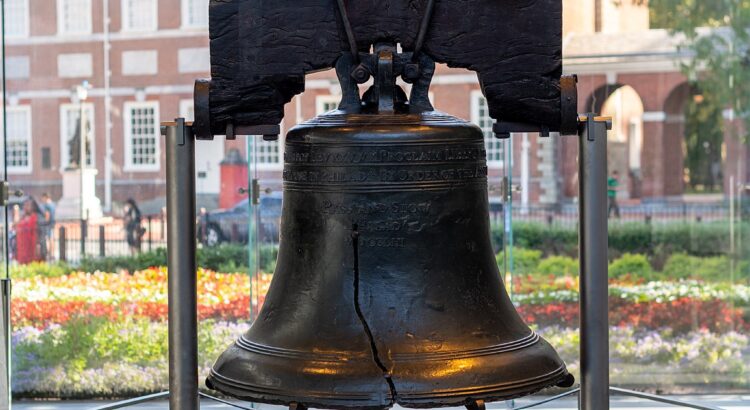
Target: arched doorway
x,y
625,143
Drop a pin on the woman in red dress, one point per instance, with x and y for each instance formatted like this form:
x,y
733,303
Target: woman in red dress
x,y
27,233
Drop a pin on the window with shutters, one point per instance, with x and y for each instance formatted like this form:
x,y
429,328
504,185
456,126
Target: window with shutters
x,y
325,103
16,18
139,15
74,16
267,154
195,13
142,136
18,153
480,115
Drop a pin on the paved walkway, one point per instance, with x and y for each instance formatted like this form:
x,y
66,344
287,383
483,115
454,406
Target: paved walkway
x,y
734,402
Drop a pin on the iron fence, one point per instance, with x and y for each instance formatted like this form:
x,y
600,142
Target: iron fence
x,y
567,215
72,241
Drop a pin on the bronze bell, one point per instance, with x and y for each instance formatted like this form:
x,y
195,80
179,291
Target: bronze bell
x,y
386,288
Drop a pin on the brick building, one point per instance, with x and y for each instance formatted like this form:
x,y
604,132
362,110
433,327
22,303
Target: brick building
x,y
141,58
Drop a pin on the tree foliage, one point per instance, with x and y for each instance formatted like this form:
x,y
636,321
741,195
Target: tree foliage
x,y
717,35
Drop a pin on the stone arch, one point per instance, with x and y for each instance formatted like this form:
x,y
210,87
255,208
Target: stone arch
x,y
596,99
625,148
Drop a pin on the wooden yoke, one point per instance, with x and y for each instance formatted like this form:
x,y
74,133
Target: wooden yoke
x,y
261,51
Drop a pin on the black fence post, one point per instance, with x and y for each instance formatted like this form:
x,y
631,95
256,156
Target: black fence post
x,y
102,242
84,229
148,219
61,243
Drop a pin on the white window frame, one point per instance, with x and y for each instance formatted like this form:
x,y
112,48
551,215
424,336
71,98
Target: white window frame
x,y
186,7
29,166
26,20
267,166
187,110
126,23
490,141
61,19
322,100
91,117
127,116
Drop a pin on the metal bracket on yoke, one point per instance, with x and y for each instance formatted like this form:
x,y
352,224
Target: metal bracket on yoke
x,y
569,119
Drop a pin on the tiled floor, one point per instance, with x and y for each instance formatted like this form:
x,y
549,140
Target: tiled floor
x,y
735,402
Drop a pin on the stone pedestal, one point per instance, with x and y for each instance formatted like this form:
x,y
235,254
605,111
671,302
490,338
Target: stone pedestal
x,y
77,188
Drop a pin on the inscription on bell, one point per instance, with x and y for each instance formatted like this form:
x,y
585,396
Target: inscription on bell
x,y
384,175
368,155
369,208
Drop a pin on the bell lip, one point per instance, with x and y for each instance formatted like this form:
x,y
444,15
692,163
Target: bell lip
x,y
558,378
215,381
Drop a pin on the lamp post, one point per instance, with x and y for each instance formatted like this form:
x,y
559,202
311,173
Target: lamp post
x,y
82,92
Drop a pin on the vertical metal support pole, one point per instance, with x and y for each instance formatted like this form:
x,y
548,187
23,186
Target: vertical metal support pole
x,y
182,294
5,343
592,237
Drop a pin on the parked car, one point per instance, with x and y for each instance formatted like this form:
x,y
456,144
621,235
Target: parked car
x,y
231,225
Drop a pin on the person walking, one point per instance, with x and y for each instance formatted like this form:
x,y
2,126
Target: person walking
x,y
48,228
613,184
28,244
133,228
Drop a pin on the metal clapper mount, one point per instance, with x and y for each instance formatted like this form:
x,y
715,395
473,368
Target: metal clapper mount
x,y
385,65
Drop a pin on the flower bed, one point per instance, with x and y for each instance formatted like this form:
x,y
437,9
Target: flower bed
x,y
98,358
681,316
103,359
558,290
105,335
43,301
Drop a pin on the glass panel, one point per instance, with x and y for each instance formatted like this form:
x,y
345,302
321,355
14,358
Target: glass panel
x,y
264,216
677,189
15,147
88,82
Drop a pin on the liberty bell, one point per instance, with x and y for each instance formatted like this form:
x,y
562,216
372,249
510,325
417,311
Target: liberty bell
x,y
386,289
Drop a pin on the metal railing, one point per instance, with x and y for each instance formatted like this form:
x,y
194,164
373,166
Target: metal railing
x,y
657,213
73,241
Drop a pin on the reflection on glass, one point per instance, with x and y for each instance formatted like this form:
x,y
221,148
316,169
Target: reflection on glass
x,y
679,249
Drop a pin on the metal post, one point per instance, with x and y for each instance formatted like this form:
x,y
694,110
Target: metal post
x,y
148,221
592,180
102,242
61,242
183,321
84,234
5,343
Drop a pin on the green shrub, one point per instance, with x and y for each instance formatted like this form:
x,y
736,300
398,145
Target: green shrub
x,y
525,261
559,266
229,258
634,266
551,240
132,263
653,240
48,270
713,269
